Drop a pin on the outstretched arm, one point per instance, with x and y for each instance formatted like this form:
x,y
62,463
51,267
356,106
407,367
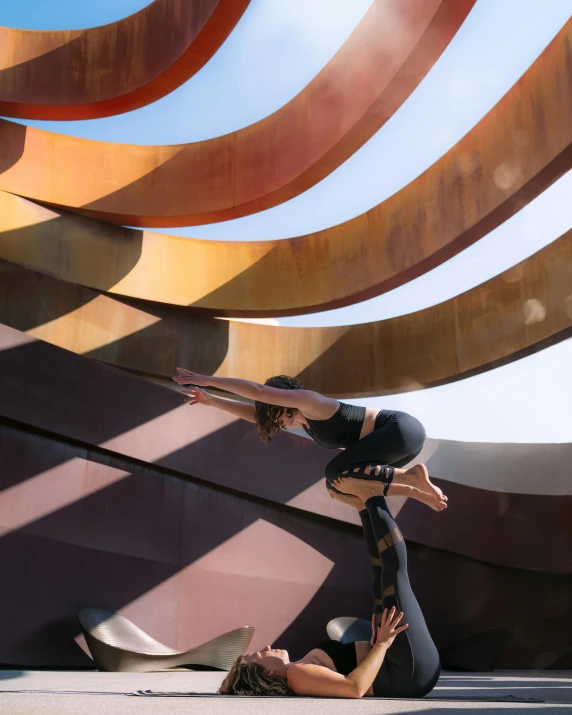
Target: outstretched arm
x,y
299,399
196,396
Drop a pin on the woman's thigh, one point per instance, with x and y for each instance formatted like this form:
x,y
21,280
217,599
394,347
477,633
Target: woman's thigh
x,y
397,440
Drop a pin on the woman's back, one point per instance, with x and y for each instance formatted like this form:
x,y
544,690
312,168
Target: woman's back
x,y
340,430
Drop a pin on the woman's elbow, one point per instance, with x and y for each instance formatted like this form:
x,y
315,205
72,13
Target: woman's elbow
x,y
355,691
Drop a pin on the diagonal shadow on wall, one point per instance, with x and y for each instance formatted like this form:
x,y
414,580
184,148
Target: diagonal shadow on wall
x,y
61,381
115,251
50,388
45,386
13,141
29,300
121,542
114,545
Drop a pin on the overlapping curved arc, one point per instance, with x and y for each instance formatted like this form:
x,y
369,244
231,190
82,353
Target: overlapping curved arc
x,y
536,225
257,167
517,312
115,68
520,310
511,156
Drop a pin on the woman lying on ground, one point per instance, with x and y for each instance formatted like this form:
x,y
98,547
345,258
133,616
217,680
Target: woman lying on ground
x,y
376,443
401,661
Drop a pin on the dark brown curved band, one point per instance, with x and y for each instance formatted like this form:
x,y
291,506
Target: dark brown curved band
x,y
517,312
258,166
511,156
115,68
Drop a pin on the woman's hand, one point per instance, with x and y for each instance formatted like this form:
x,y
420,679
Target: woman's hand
x,y
196,396
186,377
389,628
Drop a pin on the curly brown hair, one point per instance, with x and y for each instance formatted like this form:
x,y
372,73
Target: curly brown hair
x,y
269,417
251,679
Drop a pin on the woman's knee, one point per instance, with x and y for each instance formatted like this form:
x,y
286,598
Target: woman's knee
x,y
412,432
421,434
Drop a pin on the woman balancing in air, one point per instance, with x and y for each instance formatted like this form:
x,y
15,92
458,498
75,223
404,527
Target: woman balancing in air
x,y
376,443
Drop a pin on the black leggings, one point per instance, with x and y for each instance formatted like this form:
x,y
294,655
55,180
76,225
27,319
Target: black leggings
x,y
411,666
396,439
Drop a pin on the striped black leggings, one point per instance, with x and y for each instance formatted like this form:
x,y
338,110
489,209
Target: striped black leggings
x,y
396,439
411,666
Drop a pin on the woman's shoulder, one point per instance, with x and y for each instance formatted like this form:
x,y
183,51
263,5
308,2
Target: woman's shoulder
x,y
319,407
317,656
301,670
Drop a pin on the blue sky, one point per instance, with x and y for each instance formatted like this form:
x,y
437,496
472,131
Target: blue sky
x,y
275,50
65,14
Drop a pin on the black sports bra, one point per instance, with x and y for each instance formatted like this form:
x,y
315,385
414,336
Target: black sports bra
x,y
340,430
343,655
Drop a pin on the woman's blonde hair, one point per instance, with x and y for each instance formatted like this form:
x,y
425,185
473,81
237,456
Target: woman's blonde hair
x,y
251,679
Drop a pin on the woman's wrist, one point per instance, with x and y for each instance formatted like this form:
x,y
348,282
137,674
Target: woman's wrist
x,y
242,388
381,646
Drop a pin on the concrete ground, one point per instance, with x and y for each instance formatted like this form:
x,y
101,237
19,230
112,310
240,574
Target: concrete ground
x,y
69,692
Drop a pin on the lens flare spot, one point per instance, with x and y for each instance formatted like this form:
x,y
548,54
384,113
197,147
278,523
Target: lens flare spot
x,y
502,503
534,311
513,275
504,177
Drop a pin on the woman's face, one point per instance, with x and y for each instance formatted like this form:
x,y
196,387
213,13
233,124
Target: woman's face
x,y
271,659
290,418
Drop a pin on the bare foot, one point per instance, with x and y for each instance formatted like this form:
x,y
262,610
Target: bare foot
x,y
363,489
436,504
348,499
418,477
